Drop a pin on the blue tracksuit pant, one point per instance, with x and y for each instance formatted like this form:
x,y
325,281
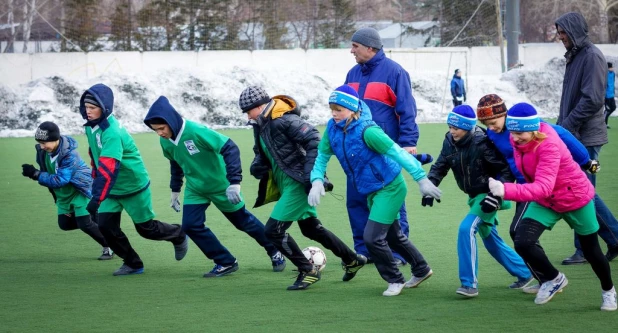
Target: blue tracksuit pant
x,y
468,253
194,225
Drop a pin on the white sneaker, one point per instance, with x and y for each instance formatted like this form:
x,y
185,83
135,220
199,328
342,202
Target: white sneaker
x,y
609,300
415,281
550,288
394,289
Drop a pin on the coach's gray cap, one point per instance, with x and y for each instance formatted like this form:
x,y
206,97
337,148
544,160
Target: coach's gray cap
x,y
368,37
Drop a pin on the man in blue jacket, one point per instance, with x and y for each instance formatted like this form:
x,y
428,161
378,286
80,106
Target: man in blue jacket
x,y
386,88
458,89
610,102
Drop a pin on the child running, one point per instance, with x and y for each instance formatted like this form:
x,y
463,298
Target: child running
x,y
373,162
210,162
473,159
285,151
68,179
558,189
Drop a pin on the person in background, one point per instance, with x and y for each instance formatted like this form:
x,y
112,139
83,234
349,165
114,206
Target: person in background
x,y
458,89
583,90
610,92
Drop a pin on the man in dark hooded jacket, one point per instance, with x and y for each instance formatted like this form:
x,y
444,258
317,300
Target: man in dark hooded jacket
x,y
583,97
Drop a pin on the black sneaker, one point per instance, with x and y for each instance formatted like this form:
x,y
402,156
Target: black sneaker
x,y
576,259
220,270
353,268
612,253
305,279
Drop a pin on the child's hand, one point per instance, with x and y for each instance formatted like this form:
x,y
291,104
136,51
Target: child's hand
x,y
317,191
496,187
491,203
28,170
428,201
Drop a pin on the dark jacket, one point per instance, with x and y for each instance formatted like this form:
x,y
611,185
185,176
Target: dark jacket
x,y
290,140
70,168
583,89
473,160
458,88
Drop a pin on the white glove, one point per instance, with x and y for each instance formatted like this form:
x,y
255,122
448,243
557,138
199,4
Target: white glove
x,y
428,189
496,187
175,202
317,191
233,193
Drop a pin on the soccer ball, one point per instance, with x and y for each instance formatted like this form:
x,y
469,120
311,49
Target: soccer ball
x,y
316,256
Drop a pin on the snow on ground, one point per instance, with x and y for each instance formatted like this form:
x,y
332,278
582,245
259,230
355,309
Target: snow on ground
x,y
211,97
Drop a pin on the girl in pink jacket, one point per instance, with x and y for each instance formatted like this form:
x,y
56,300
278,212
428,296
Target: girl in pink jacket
x,y
558,189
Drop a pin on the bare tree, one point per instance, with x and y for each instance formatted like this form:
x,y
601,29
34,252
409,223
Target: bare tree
x,y
604,7
10,48
27,23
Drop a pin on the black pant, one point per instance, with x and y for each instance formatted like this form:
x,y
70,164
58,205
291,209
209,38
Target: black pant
x,y
311,228
381,239
68,222
456,102
520,209
526,239
109,224
610,106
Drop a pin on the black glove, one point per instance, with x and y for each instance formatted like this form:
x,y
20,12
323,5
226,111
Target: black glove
x,y
593,166
259,170
428,201
93,207
491,203
28,170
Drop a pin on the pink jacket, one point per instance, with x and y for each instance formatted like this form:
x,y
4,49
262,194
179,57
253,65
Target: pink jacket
x,y
554,180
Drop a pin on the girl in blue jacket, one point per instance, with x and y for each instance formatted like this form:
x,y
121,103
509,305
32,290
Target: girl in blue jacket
x,y
68,179
373,162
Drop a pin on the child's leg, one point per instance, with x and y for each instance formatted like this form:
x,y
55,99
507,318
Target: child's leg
x,y
67,222
109,224
194,225
594,255
275,231
520,209
375,240
398,241
467,250
91,229
314,230
244,221
526,238
506,256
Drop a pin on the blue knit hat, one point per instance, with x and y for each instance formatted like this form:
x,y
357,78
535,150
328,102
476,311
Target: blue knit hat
x,y
462,117
522,117
345,96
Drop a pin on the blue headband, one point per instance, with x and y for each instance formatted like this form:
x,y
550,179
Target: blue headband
x,y
348,101
523,124
461,122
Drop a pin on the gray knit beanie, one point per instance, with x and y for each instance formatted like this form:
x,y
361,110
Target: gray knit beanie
x,y
368,37
252,97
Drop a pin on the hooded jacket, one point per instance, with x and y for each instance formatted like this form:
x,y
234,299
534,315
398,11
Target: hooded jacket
x,y
473,160
70,168
554,180
291,141
583,89
458,89
118,168
202,161
386,88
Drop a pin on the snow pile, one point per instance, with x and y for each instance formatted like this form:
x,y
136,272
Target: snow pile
x,y
211,97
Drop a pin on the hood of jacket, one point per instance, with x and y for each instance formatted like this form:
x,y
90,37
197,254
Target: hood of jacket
x,y
278,106
162,109
105,98
576,28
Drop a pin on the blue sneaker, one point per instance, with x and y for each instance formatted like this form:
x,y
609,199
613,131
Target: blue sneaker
x,y
180,250
278,262
219,270
126,270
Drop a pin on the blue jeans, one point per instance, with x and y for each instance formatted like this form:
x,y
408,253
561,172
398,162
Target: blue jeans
x,y
608,225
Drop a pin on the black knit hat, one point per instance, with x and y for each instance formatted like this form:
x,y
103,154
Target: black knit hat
x,y
47,132
252,97
90,99
610,65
